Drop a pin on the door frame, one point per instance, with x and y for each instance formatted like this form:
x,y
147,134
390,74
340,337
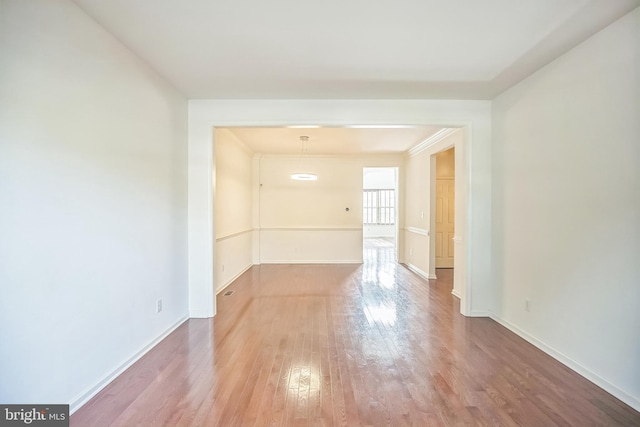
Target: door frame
x,y
397,208
473,116
459,221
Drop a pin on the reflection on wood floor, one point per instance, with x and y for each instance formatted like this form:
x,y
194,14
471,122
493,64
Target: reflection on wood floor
x,y
369,344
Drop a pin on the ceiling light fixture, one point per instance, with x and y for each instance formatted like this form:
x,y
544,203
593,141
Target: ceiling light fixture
x,y
303,176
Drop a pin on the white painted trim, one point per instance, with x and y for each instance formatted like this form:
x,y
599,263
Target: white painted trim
x,y
418,271
309,229
314,261
247,268
101,384
468,287
417,230
377,156
457,240
472,115
433,139
229,236
433,277
200,223
456,294
627,398
478,313
200,314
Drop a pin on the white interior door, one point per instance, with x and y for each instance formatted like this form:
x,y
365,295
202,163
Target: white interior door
x,y
445,214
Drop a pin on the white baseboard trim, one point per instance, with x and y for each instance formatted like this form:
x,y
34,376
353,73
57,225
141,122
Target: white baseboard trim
x,y
456,294
200,314
478,313
313,261
433,277
244,270
418,271
95,389
627,398
310,229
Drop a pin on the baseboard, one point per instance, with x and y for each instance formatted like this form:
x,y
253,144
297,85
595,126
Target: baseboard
x,y
313,261
92,391
418,271
456,294
627,398
478,313
234,278
433,277
200,314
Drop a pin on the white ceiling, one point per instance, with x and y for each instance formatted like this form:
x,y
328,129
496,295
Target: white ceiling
x,y
332,140
350,48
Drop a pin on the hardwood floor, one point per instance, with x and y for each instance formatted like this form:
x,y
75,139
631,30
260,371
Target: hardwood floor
x,y
369,344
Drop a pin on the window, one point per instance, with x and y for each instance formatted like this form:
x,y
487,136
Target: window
x,y
378,207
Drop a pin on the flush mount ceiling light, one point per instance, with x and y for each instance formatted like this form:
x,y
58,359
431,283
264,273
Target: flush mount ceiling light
x,y
303,176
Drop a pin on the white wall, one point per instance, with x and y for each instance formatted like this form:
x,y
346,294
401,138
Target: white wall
x,y
93,196
206,114
566,198
307,221
233,208
416,213
379,179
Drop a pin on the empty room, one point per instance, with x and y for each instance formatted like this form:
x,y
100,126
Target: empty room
x,y
287,213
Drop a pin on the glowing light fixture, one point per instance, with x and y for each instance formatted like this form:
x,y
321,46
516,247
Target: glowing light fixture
x,y
303,176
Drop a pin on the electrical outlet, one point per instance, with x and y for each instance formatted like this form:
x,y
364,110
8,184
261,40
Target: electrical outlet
x,y
222,267
158,306
410,252
422,215
527,305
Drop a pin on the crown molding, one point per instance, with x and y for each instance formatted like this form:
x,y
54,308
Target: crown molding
x,y
433,139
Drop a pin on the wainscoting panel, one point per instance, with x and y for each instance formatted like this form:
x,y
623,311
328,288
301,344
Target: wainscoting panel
x,y
310,245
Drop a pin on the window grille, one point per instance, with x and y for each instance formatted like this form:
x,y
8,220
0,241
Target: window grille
x,y
379,207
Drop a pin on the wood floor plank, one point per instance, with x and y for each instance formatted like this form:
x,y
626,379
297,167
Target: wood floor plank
x,y
331,345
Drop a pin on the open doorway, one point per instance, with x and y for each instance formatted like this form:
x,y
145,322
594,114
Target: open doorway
x,y
443,218
445,209
202,303
379,213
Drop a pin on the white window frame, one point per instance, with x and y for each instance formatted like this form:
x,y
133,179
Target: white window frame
x,y
379,207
